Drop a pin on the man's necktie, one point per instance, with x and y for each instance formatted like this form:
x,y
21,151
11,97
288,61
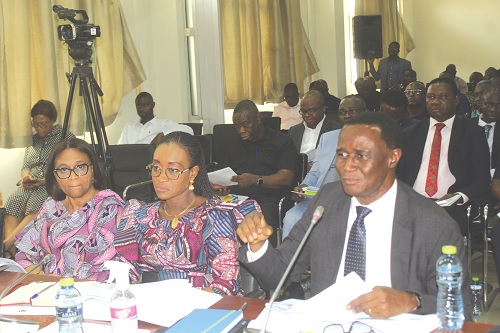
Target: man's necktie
x,y
487,129
431,183
355,258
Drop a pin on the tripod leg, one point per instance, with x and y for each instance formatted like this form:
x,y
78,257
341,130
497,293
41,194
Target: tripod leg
x,y
73,78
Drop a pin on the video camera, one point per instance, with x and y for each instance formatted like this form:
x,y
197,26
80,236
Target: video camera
x,y
78,35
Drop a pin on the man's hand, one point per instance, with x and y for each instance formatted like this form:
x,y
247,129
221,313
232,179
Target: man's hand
x,y
220,190
245,179
298,197
157,139
384,302
254,230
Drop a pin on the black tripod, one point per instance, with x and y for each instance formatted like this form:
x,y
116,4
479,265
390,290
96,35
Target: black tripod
x,y
95,121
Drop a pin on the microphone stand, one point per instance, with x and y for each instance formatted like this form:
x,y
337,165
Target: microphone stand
x,y
316,217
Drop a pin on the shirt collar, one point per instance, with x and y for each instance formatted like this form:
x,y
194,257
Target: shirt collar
x,y
447,123
386,200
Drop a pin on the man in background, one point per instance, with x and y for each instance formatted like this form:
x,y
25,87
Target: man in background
x,y
149,129
288,110
391,69
415,93
395,103
367,88
331,102
461,84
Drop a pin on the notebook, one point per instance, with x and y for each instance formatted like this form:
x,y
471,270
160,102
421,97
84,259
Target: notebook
x,y
208,321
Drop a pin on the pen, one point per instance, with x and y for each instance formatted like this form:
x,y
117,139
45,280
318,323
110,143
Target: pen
x,y
41,291
243,306
256,151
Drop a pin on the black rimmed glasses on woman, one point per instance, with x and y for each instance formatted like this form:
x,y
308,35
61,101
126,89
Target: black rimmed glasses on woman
x,y
171,173
79,170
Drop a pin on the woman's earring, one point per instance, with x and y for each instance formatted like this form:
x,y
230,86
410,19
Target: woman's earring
x,y
191,186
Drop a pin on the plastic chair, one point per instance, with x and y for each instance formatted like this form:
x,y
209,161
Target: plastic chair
x,y
197,127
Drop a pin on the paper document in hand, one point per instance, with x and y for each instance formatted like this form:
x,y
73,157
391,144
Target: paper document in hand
x,y
222,177
450,201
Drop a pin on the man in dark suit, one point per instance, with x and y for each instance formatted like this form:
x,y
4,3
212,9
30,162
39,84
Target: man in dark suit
x,y
391,69
446,155
306,135
404,231
395,104
331,102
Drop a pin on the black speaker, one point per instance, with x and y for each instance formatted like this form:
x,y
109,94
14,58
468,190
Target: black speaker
x,y
367,36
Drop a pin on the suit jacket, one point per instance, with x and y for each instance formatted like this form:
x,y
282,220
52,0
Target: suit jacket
x,y
468,157
325,156
496,143
297,132
420,229
381,74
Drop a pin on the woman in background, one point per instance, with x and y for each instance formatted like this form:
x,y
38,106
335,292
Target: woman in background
x,y
25,202
189,234
77,222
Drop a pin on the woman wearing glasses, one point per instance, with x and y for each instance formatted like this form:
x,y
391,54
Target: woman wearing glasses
x,y
24,203
76,224
190,233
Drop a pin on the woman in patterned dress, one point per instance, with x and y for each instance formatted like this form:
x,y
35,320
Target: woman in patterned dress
x,y
190,233
25,202
76,224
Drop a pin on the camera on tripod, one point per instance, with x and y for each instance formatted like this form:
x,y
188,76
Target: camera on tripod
x,y
79,34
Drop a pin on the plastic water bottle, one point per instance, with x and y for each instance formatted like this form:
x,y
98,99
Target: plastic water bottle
x,y
450,306
477,296
69,307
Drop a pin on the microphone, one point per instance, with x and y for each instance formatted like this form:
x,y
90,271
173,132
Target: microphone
x,y
48,258
318,213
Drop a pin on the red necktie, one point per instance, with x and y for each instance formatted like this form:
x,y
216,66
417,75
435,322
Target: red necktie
x,y
431,183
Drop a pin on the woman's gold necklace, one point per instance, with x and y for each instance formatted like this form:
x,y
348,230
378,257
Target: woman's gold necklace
x,y
175,220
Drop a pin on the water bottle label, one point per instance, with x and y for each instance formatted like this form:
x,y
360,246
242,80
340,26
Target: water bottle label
x,y
124,313
69,312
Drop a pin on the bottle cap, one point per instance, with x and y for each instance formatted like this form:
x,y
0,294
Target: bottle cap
x,y
66,282
449,249
475,279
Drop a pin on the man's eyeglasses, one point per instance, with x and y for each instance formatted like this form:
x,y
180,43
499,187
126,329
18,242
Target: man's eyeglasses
x,y
440,97
417,92
40,125
356,327
304,112
171,173
349,112
79,170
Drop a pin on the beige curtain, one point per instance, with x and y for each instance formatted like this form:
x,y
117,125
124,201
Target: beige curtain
x,y
264,47
393,27
33,63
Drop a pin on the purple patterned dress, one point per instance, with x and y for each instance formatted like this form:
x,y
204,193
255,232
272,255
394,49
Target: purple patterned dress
x,y
80,241
203,247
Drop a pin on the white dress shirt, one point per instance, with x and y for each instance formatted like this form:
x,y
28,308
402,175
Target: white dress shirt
x,y
310,137
289,114
135,132
445,177
482,123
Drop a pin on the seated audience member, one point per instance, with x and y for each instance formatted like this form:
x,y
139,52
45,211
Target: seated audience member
x,y
409,76
367,89
391,69
265,161
461,84
288,110
190,233
395,103
474,79
77,223
149,129
489,73
306,135
415,93
446,155
331,102
22,206
463,109
403,232
478,95
323,169
490,106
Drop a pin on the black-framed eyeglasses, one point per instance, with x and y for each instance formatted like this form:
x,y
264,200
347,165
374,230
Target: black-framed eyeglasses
x,y
303,112
171,173
40,125
356,327
417,92
79,170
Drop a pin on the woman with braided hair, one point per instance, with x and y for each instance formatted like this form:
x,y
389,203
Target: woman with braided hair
x,y
190,233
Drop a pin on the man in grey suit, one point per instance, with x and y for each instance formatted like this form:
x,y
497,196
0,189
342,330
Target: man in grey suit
x,y
391,69
306,135
404,231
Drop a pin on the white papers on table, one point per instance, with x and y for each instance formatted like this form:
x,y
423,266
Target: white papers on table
x,y
222,177
9,265
450,201
87,327
329,307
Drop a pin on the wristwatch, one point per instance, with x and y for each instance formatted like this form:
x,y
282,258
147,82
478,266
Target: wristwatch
x,y
260,181
419,300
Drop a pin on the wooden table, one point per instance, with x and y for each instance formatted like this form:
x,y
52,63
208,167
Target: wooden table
x,y
253,309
